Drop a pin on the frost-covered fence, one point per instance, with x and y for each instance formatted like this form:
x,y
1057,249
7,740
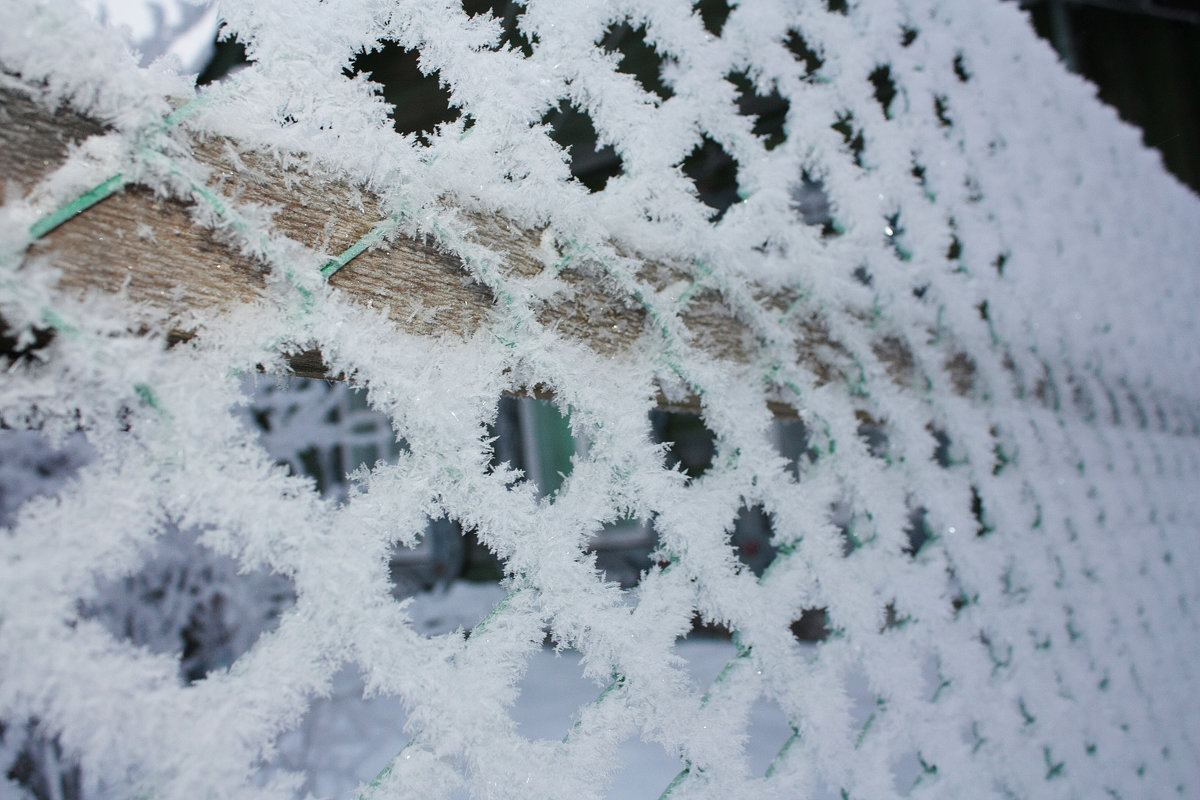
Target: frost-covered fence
x,y
147,248
900,222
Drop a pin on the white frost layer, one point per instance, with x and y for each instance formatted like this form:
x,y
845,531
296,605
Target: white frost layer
x,y
1042,643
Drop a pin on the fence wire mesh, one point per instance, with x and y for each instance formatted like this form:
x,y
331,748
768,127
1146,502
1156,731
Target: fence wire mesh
x,y
966,281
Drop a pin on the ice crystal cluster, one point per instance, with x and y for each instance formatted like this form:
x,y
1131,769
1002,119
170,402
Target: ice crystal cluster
x,y
966,279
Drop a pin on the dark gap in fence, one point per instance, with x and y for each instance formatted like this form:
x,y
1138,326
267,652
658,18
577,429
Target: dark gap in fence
x,y
751,539
941,108
573,130
812,625
852,137
768,110
713,13
803,53
15,349
885,88
873,434
960,68
639,57
228,55
714,172
691,445
811,202
509,14
420,103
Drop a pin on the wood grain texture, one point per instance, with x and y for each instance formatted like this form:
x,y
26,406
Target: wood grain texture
x,y
152,250
34,140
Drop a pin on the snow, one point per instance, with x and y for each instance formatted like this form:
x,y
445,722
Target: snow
x,y
1012,366
344,740
170,29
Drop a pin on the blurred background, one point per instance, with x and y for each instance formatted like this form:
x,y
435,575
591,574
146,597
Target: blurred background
x,y
1144,57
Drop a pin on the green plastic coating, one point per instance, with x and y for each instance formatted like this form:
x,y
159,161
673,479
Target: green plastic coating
x,y
354,251
77,206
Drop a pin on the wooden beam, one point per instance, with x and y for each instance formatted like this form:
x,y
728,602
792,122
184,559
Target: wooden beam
x,y
151,250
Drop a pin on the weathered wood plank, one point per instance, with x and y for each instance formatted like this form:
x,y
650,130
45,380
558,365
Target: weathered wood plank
x,y
151,250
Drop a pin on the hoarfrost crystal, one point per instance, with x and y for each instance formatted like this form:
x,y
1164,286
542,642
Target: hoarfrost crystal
x,y
977,291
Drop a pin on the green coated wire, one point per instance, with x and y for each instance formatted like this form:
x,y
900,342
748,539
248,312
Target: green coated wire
x,y
77,206
679,779
617,684
783,751
115,183
51,318
371,790
742,654
370,239
85,201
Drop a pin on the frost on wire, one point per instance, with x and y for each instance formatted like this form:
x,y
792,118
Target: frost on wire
x,y
966,278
